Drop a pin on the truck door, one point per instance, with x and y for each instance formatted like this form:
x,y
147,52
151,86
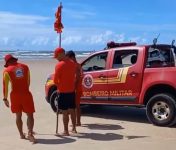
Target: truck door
x,y
95,79
125,76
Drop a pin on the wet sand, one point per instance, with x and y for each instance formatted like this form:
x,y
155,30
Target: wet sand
x,y
102,127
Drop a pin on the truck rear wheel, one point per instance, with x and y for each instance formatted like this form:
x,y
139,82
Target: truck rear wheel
x,y
161,109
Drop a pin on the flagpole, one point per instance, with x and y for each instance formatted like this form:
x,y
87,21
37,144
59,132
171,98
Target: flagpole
x,y
58,27
60,39
60,34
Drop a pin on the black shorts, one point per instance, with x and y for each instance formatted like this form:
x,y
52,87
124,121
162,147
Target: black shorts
x,y
66,101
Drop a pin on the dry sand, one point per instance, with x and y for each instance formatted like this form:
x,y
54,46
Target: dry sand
x,y
103,127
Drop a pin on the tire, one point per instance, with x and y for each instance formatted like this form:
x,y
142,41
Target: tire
x,y
50,92
54,100
161,109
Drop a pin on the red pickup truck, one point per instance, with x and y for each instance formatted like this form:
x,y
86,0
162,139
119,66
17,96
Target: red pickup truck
x,y
127,74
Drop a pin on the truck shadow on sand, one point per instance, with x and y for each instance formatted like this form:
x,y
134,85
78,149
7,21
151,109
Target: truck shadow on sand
x,y
116,112
99,126
105,136
95,134
90,136
110,136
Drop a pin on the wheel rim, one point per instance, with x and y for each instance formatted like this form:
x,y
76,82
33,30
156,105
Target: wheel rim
x,y
55,102
161,110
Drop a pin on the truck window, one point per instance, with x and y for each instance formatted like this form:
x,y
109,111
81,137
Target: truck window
x,y
95,63
160,57
124,58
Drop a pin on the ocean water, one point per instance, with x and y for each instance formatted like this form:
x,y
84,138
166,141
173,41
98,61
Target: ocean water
x,y
24,54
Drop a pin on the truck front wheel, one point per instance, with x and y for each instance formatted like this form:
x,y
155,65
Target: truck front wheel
x,y
161,109
54,100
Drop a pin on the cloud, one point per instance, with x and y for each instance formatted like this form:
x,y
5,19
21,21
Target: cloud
x,y
120,37
78,11
5,40
100,38
90,38
78,14
150,27
72,39
40,41
19,31
9,18
24,31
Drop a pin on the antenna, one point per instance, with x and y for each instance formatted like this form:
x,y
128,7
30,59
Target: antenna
x,y
156,39
172,46
173,42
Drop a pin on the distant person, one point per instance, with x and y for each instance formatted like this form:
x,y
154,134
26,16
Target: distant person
x,y
65,79
71,55
21,98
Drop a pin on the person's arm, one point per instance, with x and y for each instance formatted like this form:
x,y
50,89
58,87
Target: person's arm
x,y
28,77
57,74
78,75
6,79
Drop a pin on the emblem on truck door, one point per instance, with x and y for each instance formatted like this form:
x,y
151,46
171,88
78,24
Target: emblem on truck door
x,y
88,81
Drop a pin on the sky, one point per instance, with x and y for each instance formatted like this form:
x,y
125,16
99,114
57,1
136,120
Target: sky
x,y
88,24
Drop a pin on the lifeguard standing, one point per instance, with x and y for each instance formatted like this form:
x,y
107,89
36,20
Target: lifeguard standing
x,y
21,98
71,55
65,78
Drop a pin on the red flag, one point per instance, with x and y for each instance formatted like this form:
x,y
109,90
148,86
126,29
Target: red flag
x,y
58,26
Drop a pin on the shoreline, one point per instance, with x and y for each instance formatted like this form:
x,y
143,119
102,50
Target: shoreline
x,y
79,59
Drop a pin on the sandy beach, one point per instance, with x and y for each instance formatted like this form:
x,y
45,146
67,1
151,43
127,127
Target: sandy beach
x,y
102,127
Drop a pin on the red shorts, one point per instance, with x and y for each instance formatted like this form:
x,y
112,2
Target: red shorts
x,y
22,102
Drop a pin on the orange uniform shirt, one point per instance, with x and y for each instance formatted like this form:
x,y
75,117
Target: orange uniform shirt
x,y
20,96
19,76
65,76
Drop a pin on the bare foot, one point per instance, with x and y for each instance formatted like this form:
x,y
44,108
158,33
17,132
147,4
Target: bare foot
x,y
78,124
31,138
33,132
65,134
74,131
23,136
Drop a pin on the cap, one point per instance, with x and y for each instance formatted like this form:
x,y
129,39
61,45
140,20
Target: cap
x,y
58,51
7,58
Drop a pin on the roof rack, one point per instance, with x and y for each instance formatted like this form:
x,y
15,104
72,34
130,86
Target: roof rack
x,y
113,44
